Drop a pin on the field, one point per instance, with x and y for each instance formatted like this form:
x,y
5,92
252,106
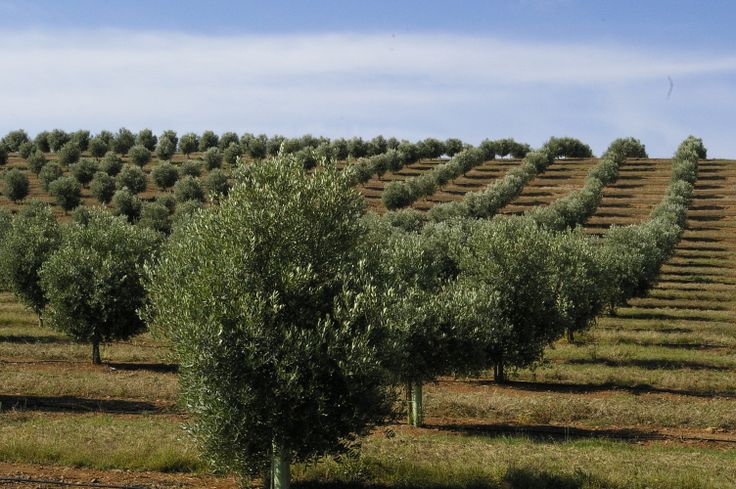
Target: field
x,y
647,398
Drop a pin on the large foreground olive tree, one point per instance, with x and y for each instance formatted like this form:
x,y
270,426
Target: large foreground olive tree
x,y
275,320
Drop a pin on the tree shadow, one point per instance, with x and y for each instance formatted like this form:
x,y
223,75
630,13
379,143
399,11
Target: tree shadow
x,y
30,339
648,364
150,367
606,386
54,404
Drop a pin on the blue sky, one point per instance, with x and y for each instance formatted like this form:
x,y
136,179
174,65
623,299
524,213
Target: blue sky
x,y
527,69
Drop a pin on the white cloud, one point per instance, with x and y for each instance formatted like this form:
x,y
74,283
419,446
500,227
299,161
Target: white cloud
x,y
341,84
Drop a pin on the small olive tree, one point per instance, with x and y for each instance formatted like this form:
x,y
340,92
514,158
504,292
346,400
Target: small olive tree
x,y
272,316
123,141
84,170
147,139
164,175
133,178
67,192
188,143
213,158
98,147
102,187
33,235
139,155
49,173
93,282
208,140
111,164
16,185
125,203
165,149
68,154
188,188
36,161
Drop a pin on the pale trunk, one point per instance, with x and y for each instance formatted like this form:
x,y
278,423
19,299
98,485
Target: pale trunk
x,y
417,413
570,336
96,359
409,418
280,470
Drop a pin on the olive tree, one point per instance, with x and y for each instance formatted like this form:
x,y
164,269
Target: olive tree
x,y
57,139
33,235
192,168
125,203
155,216
26,149
98,147
165,149
164,175
16,185
188,188
514,302
67,192
84,171
42,141
188,143
48,174
102,187
133,178
94,281
213,158
14,139
36,161
139,155
147,139
226,139
208,140
68,154
3,155
123,141
216,183
111,164
170,136
272,316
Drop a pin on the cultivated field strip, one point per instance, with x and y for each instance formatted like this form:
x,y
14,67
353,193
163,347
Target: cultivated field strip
x,y
640,187
373,188
475,180
561,178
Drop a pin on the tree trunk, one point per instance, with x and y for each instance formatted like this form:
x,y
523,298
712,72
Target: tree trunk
x,y
417,412
570,336
40,320
498,374
280,469
409,410
96,352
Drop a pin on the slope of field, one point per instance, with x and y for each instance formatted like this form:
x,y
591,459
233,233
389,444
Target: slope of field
x,y
647,398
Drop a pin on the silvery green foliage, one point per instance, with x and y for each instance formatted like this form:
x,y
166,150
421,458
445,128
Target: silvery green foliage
x,y
56,139
93,281
139,155
26,149
67,192
16,185
102,187
165,149
171,136
147,139
84,170
212,158
42,141
208,140
231,154
14,139
510,295
226,139
216,183
33,235
81,139
568,148
98,147
123,141
628,147
188,143
132,178
192,168
49,173
125,203
36,161
155,216
164,175
68,154
188,188
111,164
271,311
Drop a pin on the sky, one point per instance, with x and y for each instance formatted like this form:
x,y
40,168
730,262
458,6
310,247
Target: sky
x,y
528,69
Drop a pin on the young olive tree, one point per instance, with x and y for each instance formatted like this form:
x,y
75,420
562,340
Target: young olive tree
x,y
36,161
16,185
14,139
102,187
213,158
68,154
208,140
147,139
188,188
165,149
84,171
123,141
164,175
188,143
33,235
94,281
139,155
111,164
67,192
133,178
125,203
98,147
49,174
271,312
